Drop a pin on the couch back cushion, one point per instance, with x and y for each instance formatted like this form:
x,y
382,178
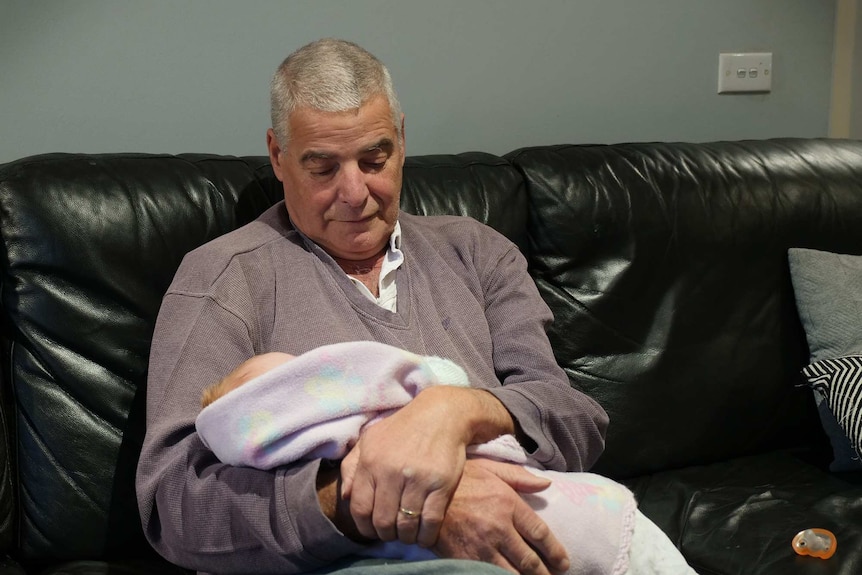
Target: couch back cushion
x,y
666,268
475,184
89,245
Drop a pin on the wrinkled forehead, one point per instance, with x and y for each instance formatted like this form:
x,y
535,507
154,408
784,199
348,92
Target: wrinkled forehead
x,y
316,132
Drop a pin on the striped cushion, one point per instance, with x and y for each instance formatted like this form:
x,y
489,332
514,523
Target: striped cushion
x,y
839,381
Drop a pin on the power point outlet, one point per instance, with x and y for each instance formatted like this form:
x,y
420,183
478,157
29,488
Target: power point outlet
x,y
742,73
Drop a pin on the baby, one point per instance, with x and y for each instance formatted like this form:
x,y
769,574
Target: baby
x,y
276,408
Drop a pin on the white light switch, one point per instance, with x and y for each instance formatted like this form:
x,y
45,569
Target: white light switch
x,y
740,73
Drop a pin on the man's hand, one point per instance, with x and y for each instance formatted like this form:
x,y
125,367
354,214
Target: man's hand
x,y
488,521
401,474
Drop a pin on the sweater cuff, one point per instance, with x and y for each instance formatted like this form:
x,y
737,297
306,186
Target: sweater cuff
x,y
318,535
529,419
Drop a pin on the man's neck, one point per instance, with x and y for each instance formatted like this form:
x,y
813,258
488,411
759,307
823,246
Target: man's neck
x,y
367,271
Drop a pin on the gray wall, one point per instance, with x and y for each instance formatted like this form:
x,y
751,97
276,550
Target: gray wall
x,y
491,75
856,85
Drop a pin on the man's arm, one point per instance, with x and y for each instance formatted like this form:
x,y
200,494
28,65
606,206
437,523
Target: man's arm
x,y
559,426
196,511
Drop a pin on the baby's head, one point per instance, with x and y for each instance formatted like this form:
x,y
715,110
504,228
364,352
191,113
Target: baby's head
x,y
244,372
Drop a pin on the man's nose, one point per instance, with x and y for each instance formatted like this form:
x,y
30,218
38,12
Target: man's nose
x,y
352,189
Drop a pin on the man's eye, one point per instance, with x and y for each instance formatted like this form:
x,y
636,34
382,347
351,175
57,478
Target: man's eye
x,y
323,172
375,166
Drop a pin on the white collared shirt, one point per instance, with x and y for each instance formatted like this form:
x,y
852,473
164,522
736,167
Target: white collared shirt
x,y
386,284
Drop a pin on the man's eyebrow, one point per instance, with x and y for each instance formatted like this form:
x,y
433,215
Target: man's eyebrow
x,y
384,144
313,155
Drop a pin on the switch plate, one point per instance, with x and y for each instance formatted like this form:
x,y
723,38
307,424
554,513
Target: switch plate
x,y
741,73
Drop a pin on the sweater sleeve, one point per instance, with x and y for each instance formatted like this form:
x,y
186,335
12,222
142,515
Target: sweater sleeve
x,y
567,426
200,513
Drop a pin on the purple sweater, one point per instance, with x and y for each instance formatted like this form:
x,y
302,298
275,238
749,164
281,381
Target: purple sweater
x,y
463,294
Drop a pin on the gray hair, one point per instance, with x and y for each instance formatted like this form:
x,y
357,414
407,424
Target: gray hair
x,y
329,75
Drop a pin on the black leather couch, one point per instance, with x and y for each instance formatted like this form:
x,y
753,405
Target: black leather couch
x,y
665,266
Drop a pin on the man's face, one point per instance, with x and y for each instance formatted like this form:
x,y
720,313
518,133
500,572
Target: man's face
x,y
341,173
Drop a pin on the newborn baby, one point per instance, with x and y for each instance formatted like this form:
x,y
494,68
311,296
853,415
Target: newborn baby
x,y
276,408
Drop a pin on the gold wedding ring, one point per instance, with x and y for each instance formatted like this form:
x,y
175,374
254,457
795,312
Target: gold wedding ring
x,y
409,513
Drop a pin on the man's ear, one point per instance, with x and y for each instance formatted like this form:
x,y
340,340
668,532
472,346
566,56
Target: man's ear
x,y
274,153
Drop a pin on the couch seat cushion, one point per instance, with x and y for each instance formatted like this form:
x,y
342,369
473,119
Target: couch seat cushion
x,y
740,516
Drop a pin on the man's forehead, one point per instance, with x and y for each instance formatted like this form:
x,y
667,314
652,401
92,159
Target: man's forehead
x,y
359,130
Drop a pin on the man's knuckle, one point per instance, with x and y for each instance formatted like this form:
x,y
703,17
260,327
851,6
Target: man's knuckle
x,y
433,511
440,481
432,520
539,531
382,524
360,510
530,563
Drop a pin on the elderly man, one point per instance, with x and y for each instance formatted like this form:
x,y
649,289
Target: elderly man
x,y
337,261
